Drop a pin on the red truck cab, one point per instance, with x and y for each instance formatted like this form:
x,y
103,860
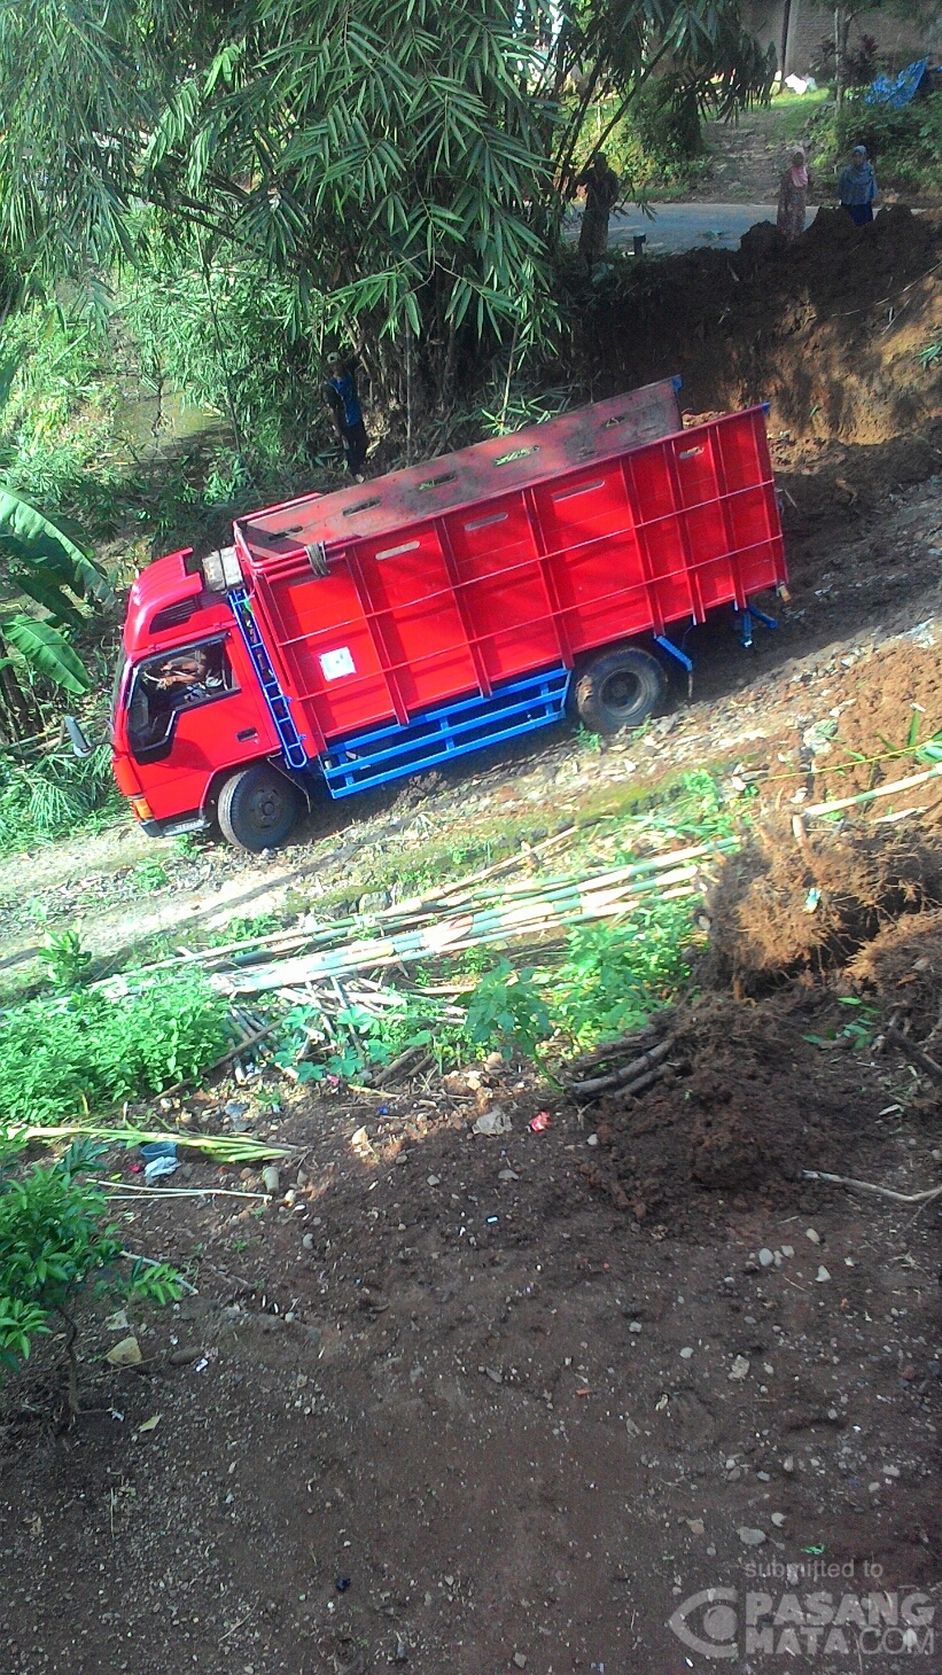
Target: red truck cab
x,y
188,709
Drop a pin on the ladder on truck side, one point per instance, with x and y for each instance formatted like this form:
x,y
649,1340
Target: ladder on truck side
x,y
279,704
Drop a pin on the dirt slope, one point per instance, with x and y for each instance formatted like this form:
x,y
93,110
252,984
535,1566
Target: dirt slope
x,y
827,331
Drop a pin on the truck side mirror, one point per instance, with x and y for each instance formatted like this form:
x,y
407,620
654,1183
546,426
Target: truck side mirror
x,y
77,738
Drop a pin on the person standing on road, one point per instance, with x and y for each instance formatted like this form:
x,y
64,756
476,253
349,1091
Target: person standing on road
x,y
342,397
858,187
793,198
601,194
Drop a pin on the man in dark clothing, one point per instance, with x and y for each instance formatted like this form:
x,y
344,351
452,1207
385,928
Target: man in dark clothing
x,y
601,195
340,392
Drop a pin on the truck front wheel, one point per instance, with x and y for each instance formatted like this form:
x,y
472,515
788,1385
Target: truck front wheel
x,y
259,808
618,688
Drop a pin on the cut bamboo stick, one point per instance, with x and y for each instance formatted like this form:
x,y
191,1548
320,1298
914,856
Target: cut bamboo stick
x,y
862,797
228,1149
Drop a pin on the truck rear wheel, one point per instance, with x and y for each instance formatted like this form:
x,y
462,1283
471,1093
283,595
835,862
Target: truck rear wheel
x,y
619,688
259,808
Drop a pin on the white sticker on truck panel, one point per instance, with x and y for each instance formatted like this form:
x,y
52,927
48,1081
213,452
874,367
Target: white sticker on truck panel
x,y
337,663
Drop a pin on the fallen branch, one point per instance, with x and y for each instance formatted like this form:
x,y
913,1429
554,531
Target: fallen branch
x,y
869,1186
629,1074
128,1189
634,1043
241,1046
925,1063
880,1040
412,1060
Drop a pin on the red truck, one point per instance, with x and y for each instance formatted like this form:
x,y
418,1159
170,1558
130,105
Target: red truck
x,y
349,639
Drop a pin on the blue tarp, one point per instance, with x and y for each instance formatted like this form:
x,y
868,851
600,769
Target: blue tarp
x,y
897,90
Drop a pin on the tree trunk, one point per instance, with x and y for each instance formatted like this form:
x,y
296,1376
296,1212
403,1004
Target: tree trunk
x,y
842,18
20,714
72,1395
786,25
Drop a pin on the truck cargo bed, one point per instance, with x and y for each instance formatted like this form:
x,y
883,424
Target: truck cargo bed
x,y
376,614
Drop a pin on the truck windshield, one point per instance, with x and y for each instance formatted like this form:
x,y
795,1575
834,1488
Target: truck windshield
x,y
174,681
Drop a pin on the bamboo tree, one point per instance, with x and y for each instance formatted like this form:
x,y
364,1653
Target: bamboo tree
x,y
400,166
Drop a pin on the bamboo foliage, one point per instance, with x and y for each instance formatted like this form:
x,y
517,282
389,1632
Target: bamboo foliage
x,y
402,163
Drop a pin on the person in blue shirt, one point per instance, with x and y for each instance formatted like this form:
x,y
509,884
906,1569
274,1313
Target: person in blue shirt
x,y
858,187
341,395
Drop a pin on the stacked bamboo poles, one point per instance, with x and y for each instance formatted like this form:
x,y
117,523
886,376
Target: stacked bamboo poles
x,y
307,964
527,908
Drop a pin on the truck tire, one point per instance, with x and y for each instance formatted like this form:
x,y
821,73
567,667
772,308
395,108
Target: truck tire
x,y
259,808
619,688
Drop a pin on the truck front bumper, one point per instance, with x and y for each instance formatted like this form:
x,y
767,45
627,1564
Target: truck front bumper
x,y
177,825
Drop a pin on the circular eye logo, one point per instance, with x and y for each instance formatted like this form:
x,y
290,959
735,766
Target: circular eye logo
x,y
707,1622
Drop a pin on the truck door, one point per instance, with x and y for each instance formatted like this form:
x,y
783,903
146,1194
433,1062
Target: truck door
x,y
189,713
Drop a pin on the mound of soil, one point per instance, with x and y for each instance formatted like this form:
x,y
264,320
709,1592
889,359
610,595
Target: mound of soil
x,y
733,1122
827,330
903,966
896,698
783,909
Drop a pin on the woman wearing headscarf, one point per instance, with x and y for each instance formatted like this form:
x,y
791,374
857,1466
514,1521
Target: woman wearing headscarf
x,y
858,187
793,197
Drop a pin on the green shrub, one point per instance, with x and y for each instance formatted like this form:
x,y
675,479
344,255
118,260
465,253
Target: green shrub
x,y
53,796
666,119
615,976
65,959
905,145
54,1236
57,1060
507,1011
659,143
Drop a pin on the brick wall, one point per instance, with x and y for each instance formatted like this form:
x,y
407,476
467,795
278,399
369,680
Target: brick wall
x,y
898,37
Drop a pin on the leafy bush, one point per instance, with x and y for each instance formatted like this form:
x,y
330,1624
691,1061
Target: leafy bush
x,y
615,976
358,1041
666,119
905,145
232,339
54,1237
860,61
90,1052
65,959
658,143
508,1011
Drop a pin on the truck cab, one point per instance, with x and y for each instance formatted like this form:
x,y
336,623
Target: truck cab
x,y
188,709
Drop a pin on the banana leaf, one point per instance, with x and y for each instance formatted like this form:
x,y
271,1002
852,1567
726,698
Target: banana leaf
x,y
47,651
41,539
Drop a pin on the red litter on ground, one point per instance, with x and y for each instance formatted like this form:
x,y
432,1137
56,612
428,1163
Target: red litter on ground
x,y
541,1121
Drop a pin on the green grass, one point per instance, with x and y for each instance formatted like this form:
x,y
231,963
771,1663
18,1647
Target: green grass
x,y
792,115
54,796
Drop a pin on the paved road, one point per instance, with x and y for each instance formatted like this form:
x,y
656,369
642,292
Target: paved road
x,y
690,226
